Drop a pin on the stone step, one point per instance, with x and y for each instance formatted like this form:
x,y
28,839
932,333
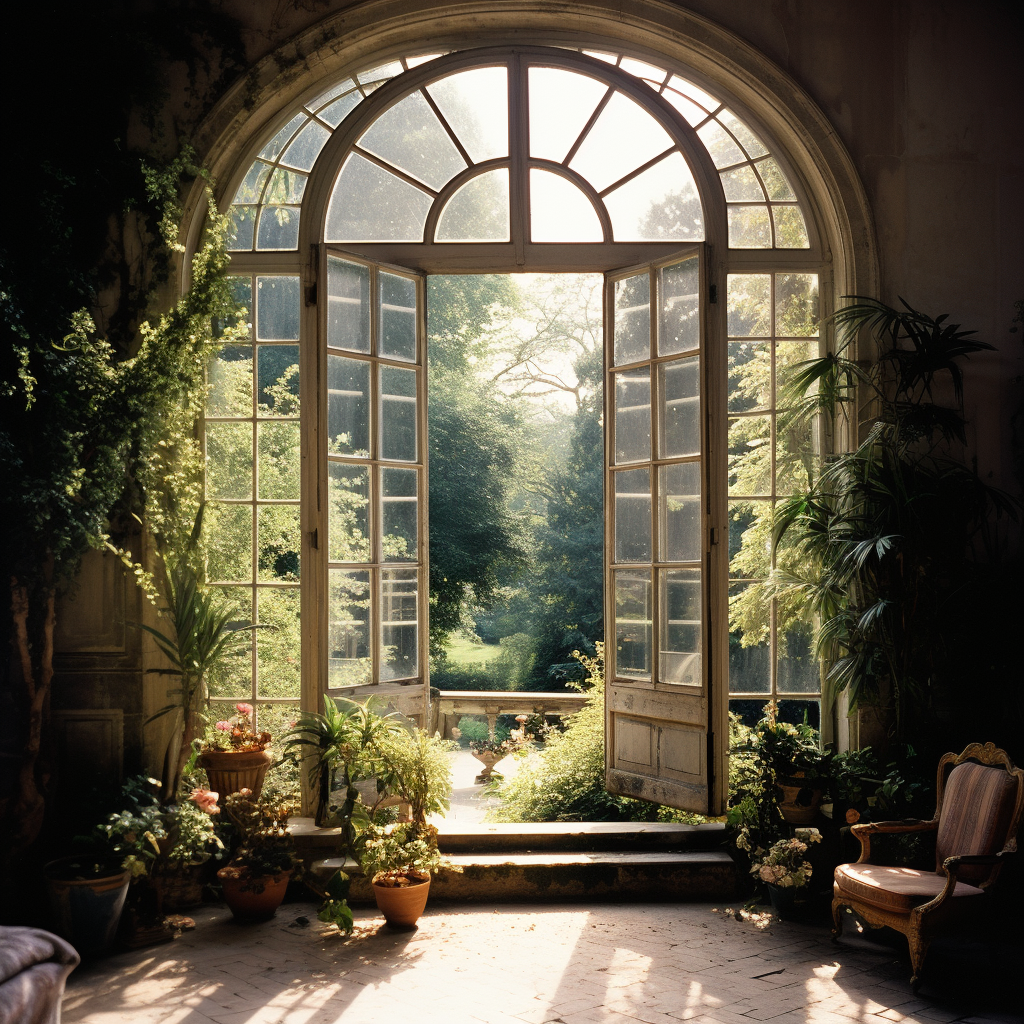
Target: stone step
x,y
530,877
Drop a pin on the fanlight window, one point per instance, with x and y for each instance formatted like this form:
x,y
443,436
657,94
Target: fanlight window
x,y
598,165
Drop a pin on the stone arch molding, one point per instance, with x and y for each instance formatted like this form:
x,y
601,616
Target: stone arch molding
x,y
376,30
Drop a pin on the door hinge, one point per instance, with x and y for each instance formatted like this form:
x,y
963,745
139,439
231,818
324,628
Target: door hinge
x,y
714,535
713,293
314,275
314,540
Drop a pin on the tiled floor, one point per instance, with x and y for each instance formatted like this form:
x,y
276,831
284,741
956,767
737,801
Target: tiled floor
x,y
621,963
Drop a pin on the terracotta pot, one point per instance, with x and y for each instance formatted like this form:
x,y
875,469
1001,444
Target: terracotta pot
x,y
401,905
249,905
799,799
232,770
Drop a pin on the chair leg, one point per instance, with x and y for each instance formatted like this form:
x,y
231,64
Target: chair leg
x,y
837,920
918,950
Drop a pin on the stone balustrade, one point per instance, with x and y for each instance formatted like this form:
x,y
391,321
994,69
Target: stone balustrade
x,y
452,704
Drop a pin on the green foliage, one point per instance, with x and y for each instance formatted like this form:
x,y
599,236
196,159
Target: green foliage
x,y
402,850
265,845
415,766
335,909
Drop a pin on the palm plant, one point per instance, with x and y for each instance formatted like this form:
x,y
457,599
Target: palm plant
x,y
885,531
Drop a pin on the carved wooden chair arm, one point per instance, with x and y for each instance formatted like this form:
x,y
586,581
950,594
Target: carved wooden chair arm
x,y
951,865
866,831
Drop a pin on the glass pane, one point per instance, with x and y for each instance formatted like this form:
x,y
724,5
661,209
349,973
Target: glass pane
x,y
796,305
348,511
647,73
679,330
370,204
633,516
750,375
679,387
681,521
741,185
348,406
227,534
660,205
680,627
795,457
750,539
624,136
798,669
277,308
286,187
790,229
398,624
397,329
478,212
749,639
746,138
228,460
749,227
232,677
720,145
681,85
693,113
279,228
475,105
560,212
273,148
397,414
230,377
633,619
337,111
278,537
399,514
278,650
632,319
348,307
633,416
379,75
241,294
348,629
777,184
750,455
278,461
410,137
302,153
241,228
251,188
750,306
561,103
277,371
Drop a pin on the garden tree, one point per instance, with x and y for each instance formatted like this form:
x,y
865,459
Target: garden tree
x,y
84,408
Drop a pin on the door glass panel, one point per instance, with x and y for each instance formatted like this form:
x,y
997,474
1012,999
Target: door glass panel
x,y
278,534
348,628
475,105
681,626
277,308
750,375
397,414
348,511
278,650
348,307
750,306
749,649
633,620
278,228
478,212
410,137
659,205
397,317
799,670
680,512
749,227
278,461
230,377
229,460
399,627
227,531
561,103
370,204
277,371
679,327
633,515
632,319
750,456
560,212
399,514
624,136
679,387
348,406
632,415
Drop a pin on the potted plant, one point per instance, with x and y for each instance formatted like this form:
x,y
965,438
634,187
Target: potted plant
x,y
794,757
187,852
782,867
256,879
234,755
489,752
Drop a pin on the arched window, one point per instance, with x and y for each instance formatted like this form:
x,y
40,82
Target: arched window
x,y
499,160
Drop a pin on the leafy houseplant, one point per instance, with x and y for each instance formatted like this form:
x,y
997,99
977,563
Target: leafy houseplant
x,y
782,867
234,754
256,879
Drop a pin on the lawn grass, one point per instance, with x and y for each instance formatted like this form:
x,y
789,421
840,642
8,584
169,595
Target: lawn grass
x,y
464,652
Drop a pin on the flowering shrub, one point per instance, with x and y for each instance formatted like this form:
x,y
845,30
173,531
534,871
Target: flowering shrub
x,y
504,747
236,733
783,863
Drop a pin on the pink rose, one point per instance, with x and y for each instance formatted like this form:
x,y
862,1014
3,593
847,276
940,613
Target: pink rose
x,y
223,727
244,709
206,800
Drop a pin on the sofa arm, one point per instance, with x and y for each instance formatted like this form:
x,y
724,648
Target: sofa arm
x,y
866,831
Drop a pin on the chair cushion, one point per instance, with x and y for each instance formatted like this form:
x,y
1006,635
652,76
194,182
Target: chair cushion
x,y
898,889
977,806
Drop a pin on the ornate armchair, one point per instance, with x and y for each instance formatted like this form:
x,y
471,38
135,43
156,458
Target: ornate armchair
x,y
979,804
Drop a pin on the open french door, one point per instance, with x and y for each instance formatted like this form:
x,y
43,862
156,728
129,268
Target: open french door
x,y
666,701
372,482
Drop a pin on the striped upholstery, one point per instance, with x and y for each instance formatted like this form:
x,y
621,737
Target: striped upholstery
x,y
977,806
898,889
